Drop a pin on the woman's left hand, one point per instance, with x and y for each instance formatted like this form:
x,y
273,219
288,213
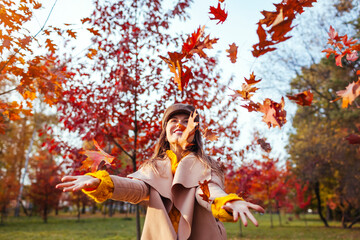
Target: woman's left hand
x,y
242,209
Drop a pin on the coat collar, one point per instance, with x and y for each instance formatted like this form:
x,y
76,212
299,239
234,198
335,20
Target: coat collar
x,y
189,173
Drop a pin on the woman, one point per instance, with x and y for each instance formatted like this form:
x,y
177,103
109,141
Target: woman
x,y
170,181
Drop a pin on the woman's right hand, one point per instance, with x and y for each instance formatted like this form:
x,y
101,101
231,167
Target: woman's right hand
x,y
76,183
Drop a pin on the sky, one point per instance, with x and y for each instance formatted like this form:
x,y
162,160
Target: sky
x,y
239,28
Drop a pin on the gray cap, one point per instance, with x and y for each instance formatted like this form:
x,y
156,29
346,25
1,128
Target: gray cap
x,y
176,109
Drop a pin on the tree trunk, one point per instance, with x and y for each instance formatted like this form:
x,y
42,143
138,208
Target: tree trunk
x,y
17,208
278,210
317,194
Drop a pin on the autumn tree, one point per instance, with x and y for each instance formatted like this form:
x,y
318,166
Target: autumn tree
x,y
123,86
44,177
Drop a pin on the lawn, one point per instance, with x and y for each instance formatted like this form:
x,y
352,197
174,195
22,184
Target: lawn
x,y
117,227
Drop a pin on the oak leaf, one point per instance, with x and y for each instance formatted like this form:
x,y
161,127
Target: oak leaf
x,y
252,79
219,14
274,113
349,94
204,186
209,134
245,92
252,106
304,98
232,52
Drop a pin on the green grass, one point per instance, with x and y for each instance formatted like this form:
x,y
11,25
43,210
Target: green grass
x,y
67,227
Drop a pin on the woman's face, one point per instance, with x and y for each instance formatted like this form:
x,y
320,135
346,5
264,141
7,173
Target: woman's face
x,y
175,127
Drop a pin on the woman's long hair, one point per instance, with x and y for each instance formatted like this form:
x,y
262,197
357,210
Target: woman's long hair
x,y
197,148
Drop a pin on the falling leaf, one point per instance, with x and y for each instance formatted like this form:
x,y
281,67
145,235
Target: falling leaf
x,y
219,14
93,31
245,92
349,94
275,115
210,135
71,33
50,45
204,186
232,52
304,98
95,159
252,79
252,106
264,145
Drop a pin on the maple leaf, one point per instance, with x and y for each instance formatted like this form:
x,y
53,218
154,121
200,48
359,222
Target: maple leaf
x,y
189,131
219,14
349,94
353,139
209,134
275,115
304,98
232,52
191,41
353,56
252,79
264,145
334,34
96,159
204,186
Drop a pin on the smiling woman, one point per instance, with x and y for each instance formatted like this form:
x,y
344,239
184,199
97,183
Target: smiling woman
x,y
171,181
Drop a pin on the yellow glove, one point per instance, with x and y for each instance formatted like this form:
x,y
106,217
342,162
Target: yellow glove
x,y
105,189
222,214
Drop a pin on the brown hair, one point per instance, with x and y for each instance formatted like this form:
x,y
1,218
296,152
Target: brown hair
x,y
197,148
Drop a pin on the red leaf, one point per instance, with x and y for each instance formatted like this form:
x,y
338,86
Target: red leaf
x,y
252,79
304,98
219,14
353,139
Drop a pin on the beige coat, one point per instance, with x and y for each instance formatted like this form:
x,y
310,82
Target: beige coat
x,y
182,190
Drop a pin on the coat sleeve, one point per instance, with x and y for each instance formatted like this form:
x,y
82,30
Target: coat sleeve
x,y
129,190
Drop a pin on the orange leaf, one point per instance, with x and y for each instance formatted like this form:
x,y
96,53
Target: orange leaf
x,y
205,189
93,31
245,92
275,115
232,52
71,33
252,79
50,46
349,94
304,98
210,135
189,131
95,159
219,14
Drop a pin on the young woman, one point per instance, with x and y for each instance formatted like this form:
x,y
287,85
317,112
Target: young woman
x,y
170,182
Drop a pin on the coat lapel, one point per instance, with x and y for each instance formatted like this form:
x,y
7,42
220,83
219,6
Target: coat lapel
x,y
191,171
